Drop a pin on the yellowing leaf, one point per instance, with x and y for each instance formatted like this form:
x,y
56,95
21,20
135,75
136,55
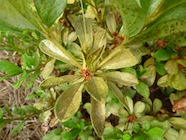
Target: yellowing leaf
x,y
178,81
98,116
97,88
52,81
178,122
50,49
123,78
139,107
171,67
68,102
120,58
48,69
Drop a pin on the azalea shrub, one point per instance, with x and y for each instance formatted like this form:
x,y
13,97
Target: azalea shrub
x,y
98,60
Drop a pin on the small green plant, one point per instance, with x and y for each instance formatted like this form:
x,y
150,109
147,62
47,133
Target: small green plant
x,y
97,47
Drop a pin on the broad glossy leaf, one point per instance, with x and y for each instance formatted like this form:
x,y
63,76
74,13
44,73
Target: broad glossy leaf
x,y
52,50
15,14
97,88
123,78
143,89
174,10
133,16
9,68
68,102
161,55
50,10
98,116
157,105
120,58
178,81
51,81
178,122
171,67
157,31
155,132
48,69
160,68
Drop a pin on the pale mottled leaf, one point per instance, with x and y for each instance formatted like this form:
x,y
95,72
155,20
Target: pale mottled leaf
x,y
120,58
178,122
97,88
52,50
52,81
171,67
123,78
48,69
161,30
98,116
163,81
178,81
68,102
139,108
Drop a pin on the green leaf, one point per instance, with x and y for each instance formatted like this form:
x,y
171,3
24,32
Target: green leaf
x,y
157,105
97,116
143,89
133,16
17,128
52,135
160,68
97,88
3,122
120,58
48,69
9,68
161,55
32,78
155,133
30,62
23,77
71,135
171,67
1,113
178,122
111,133
158,31
178,81
68,102
52,50
49,10
123,78
15,15
118,93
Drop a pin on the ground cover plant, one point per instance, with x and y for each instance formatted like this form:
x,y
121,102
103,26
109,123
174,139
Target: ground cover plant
x,y
108,69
